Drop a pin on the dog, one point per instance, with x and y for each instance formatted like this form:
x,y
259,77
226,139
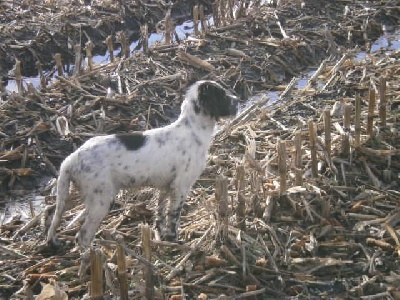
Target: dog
x,y
169,158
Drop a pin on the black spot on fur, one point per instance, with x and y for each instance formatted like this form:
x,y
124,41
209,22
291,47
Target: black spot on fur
x,y
97,191
187,122
173,169
196,139
125,167
85,168
132,141
160,141
188,164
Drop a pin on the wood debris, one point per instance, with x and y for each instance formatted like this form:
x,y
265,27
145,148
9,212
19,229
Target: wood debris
x,y
300,194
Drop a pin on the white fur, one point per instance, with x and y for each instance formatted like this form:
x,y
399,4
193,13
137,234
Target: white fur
x,y
170,159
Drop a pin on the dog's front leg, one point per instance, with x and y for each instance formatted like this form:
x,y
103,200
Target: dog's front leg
x,y
176,202
85,262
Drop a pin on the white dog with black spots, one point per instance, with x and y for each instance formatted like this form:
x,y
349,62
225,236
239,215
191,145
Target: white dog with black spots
x,y
170,159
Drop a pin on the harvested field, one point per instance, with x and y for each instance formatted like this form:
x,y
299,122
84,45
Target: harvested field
x,y
300,197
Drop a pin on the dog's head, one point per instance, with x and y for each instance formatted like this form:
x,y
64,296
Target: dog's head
x,y
211,99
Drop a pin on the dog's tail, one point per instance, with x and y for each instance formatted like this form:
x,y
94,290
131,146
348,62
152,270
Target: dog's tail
x,y
63,183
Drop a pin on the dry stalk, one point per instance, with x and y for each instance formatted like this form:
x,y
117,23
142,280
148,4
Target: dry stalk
x,y
298,159
382,100
147,271
357,121
244,260
124,44
255,184
314,77
196,19
241,206
180,265
18,77
169,27
41,74
230,255
283,32
286,93
2,90
364,27
282,167
346,125
221,196
110,47
203,22
195,61
269,206
215,12
371,108
272,261
89,54
230,4
328,132
78,60
144,31
375,181
222,12
57,58
326,207
334,70
96,268
122,276
313,148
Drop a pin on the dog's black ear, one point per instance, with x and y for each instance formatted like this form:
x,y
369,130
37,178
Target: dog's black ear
x,y
213,100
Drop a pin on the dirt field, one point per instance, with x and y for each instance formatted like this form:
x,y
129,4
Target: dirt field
x,y
309,167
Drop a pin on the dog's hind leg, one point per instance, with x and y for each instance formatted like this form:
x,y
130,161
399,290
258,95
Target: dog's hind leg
x,y
63,184
160,220
98,203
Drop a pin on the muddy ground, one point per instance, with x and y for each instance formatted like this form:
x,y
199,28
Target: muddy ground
x,y
328,235
34,31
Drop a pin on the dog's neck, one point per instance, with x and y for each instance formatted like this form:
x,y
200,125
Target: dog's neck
x,y
200,120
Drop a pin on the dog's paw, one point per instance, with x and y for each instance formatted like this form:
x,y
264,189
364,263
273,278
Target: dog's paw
x,y
52,247
171,237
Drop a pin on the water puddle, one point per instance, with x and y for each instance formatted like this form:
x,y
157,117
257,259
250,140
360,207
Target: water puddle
x,y
388,42
27,206
23,209
183,30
